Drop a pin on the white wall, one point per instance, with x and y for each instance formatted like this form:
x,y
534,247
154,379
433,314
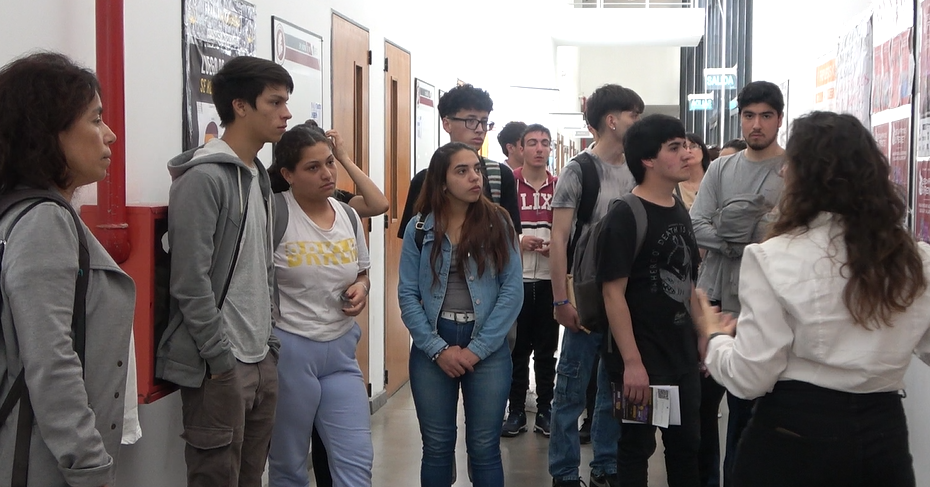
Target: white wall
x,y
779,54
477,47
652,72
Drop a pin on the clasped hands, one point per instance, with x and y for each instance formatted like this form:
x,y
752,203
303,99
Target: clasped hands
x,y
455,361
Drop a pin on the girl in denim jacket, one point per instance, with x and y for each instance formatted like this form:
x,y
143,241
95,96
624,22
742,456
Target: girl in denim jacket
x,y
460,291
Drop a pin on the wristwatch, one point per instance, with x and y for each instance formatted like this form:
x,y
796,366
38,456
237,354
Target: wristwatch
x,y
715,335
437,354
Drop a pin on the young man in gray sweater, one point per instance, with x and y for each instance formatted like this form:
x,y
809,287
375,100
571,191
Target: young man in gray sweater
x,y
219,346
733,206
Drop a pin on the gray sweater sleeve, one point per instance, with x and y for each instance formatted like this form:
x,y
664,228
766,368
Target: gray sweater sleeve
x,y
39,269
197,198
705,205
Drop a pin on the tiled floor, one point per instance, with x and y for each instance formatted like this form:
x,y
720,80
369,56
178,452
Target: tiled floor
x,y
397,451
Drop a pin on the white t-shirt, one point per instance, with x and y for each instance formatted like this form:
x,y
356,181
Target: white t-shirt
x,y
314,266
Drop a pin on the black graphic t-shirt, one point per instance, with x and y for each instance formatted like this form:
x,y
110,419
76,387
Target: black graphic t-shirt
x,y
658,291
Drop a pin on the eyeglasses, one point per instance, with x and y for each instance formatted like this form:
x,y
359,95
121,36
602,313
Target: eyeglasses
x,y
472,123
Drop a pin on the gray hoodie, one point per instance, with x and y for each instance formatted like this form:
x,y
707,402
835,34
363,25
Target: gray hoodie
x,y
208,197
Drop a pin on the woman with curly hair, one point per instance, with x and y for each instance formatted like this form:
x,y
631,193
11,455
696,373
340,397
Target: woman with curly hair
x,y
834,304
67,307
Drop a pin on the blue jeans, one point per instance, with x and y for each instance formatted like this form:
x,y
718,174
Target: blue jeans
x,y
574,370
436,397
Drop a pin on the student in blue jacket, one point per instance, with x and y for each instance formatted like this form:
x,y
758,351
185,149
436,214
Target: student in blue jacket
x,y
460,291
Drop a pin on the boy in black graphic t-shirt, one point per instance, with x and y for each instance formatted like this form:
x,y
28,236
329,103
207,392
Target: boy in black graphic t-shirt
x,y
648,301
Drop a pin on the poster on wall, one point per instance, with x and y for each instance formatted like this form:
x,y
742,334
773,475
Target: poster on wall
x,y
213,32
825,82
854,71
426,137
922,200
893,68
923,82
443,135
300,52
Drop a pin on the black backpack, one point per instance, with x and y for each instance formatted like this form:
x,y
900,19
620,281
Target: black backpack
x,y
590,189
590,301
18,392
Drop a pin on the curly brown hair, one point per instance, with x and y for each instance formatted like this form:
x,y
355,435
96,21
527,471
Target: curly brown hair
x,y
487,232
835,166
42,95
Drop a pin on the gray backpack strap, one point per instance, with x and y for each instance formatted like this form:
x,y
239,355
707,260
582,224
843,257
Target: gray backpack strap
x,y
280,220
281,216
351,214
639,214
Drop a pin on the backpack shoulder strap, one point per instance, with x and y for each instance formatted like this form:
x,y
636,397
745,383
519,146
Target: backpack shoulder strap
x,y
590,187
18,392
351,214
639,214
280,219
420,232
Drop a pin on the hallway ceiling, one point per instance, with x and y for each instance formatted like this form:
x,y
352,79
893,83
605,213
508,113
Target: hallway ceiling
x,y
628,27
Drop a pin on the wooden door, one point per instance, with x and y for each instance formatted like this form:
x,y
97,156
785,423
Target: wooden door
x,y
397,126
350,58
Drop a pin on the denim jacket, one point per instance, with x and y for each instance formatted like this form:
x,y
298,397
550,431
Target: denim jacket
x,y
496,297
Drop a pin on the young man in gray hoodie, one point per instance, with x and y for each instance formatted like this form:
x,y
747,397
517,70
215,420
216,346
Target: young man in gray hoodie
x,y
219,346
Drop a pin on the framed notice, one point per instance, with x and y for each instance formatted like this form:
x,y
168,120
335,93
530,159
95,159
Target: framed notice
x,y
300,52
213,32
426,126
443,136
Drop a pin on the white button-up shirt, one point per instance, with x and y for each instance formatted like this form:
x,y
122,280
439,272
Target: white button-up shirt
x,y
794,325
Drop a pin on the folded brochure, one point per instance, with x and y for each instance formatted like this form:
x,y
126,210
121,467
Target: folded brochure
x,y
662,407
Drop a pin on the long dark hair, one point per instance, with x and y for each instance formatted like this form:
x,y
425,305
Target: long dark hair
x,y
287,151
42,95
834,165
487,232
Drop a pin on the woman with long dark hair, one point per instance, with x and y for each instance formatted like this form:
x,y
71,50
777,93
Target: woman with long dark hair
x,y
834,304
321,265
460,291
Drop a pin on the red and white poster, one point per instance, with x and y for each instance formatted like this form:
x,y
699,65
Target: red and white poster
x,y
882,135
893,69
301,53
825,82
899,153
922,201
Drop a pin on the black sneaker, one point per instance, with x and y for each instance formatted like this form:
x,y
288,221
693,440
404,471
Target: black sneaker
x,y
514,425
605,480
584,434
567,483
542,423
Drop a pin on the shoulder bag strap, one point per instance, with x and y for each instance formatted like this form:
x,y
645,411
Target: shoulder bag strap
x,y
18,392
639,214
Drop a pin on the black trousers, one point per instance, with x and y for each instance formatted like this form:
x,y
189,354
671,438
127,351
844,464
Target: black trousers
x,y
320,461
638,441
805,435
537,334
709,456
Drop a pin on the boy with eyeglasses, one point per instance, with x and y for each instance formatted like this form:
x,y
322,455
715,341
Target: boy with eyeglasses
x,y
464,112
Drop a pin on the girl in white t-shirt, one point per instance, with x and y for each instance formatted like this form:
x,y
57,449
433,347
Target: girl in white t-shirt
x,y
321,268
